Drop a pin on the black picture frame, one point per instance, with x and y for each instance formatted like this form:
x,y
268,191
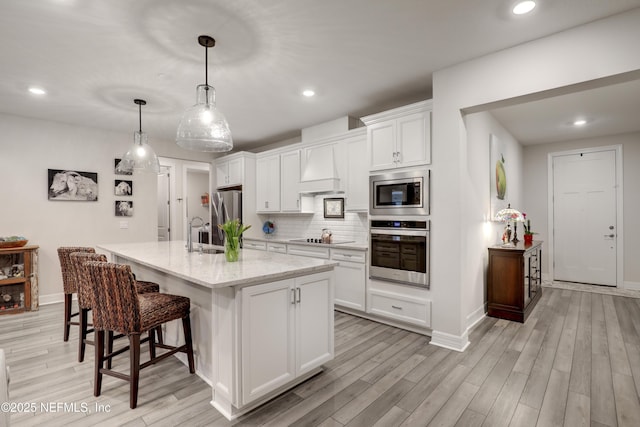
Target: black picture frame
x,y
334,207
72,185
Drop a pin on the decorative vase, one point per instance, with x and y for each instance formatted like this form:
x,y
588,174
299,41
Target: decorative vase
x,y
231,249
528,239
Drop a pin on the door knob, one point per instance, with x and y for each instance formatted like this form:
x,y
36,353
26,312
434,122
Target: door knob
x,y
610,235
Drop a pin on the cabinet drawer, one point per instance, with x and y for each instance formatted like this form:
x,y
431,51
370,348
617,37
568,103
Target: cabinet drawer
x,y
310,251
348,255
252,244
400,307
277,247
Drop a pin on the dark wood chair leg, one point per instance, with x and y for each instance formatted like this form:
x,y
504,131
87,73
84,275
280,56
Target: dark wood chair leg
x,y
134,369
109,347
67,315
152,344
159,332
82,333
99,362
186,326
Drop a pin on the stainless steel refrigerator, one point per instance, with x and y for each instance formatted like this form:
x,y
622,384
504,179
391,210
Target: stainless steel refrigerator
x,y
225,205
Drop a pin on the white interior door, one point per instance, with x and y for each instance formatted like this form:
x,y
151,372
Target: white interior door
x,y
584,217
164,205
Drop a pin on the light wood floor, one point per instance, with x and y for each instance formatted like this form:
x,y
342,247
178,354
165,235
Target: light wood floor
x,y
576,361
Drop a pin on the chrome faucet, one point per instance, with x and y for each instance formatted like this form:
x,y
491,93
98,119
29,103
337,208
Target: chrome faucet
x,y
189,238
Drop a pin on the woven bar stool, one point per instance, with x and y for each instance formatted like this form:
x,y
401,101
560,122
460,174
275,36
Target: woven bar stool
x,y
69,283
118,307
85,297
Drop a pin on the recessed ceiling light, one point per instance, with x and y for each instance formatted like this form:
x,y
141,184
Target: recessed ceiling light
x,y
37,90
308,93
580,122
524,7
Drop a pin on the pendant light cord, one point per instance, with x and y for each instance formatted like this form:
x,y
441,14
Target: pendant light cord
x,y
206,68
140,117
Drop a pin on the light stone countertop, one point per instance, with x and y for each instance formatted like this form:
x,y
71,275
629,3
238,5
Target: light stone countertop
x,y
212,270
351,245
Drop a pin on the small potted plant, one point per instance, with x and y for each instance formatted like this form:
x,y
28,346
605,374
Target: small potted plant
x,y
232,229
528,234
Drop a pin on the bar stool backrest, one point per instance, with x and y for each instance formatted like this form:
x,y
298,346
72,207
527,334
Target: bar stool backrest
x,y
85,293
68,277
115,298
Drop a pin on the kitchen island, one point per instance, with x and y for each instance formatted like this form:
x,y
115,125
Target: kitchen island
x,y
260,325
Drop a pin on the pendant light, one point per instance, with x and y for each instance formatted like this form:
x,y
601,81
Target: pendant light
x,y
203,127
140,157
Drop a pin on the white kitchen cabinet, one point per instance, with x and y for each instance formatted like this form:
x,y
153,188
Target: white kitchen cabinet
x,y
229,171
400,137
309,251
405,304
268,184
287,331
351,278
254,244
281,248
290,197
357,173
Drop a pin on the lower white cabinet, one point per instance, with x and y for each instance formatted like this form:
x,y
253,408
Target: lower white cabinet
x,y
405,304
351,278
287,331
281,248
254,244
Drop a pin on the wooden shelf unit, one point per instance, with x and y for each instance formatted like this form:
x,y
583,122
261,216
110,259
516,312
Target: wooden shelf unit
x,y
23,290
514,280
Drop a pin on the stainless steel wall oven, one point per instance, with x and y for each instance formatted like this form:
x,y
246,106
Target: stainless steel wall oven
x,y
400,251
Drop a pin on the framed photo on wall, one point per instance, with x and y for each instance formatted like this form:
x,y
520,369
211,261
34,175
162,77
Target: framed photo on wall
x,y
116,162
498,171
334,207
72,185
124,208
123,187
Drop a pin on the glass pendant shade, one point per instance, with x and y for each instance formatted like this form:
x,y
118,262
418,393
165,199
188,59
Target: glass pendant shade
x,y
203,127
140,157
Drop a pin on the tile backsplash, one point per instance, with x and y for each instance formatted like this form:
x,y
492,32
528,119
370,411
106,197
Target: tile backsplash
x,y
354,226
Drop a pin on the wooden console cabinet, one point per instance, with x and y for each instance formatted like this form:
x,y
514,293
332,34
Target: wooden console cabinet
x,y
18,279
514,281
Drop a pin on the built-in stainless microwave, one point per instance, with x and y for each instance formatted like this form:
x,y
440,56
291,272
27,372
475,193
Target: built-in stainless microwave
x,y
399,193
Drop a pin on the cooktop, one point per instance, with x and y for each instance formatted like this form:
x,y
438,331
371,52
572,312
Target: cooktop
x,y
319,241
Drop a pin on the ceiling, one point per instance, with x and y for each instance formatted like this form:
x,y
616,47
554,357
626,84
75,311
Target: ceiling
x,y
360,56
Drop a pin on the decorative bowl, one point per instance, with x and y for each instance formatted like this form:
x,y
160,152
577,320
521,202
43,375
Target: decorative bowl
x,y
12,244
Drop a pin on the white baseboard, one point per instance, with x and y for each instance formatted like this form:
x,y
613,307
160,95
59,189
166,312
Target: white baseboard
x,y
452,342
476,316
633,286
52,298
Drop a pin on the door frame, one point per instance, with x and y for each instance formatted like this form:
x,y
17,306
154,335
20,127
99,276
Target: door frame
x,y
619,206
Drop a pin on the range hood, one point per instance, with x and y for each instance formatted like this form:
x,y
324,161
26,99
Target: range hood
x,y
319,171
320,161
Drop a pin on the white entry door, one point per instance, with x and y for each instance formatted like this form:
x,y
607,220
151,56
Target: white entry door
x,y
584,217
164,205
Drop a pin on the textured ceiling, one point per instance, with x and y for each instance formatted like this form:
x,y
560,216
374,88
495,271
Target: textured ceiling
x,y
360,56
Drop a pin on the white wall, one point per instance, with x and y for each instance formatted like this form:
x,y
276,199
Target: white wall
x,y
482,231
27,149
536,202
600,49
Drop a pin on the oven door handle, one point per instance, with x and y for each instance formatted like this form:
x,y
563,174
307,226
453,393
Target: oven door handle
x,y
396,232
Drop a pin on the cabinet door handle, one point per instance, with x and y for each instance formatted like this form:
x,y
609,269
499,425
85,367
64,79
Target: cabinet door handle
x,y
396,307
398,157
299,295
293,296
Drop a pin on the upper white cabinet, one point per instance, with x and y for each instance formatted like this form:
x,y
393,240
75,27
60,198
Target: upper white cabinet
x,y
290,198
356,174
268,183
400,137
230,170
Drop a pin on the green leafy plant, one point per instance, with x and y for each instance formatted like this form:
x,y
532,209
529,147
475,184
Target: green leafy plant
x,y
527,225
233,229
